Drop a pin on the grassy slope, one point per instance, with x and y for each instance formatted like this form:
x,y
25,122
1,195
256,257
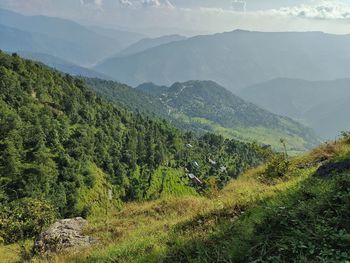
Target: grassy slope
x,y
248,134
262,126
300,217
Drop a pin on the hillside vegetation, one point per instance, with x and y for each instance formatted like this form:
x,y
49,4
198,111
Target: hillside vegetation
x,y
295,212
205,106
62,148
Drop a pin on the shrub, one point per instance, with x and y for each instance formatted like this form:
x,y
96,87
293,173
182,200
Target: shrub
x,y
213,189
346,136
276,168
24,218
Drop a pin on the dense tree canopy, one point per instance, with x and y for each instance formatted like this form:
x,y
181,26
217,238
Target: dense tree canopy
x,y
53,128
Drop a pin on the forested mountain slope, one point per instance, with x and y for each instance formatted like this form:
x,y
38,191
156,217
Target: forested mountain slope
x,y
236,59
203,106
288,210
63,145
322,105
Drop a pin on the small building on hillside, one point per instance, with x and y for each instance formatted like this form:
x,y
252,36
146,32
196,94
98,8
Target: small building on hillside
x,y
195,179
212,161
223,169
195,164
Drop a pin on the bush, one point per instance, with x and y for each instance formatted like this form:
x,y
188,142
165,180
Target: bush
x,y
24,218
213,189
276,168
345,136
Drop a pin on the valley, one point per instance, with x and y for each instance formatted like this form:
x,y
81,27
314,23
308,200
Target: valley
x,y
322,105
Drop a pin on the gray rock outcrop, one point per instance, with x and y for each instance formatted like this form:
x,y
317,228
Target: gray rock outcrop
x,y
62,235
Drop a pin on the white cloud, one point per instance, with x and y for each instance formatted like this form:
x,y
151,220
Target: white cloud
x,y
157,3
125,3
239,5
146,3
157,17
326,9
94,4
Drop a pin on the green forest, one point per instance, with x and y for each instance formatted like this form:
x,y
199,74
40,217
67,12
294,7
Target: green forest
x,y
62,146
205,106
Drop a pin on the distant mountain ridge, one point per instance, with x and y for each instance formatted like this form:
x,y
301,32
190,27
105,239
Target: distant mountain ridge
x,y
62,65
58,37
322,105
236,59
205,106
148,43
14,40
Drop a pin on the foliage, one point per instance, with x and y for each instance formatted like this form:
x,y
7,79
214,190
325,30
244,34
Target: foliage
x,y
204,106
24,218
62,143
213,190
276,168
303,218
311,226
346,136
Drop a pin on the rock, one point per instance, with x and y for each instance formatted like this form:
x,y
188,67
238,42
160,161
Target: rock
x,y
330,168
62,235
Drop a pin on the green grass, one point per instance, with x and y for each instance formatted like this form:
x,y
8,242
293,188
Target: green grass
x,y
96,196
295,144
297,218
169,182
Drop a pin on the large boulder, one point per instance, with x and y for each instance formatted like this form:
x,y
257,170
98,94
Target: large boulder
x,y
62,235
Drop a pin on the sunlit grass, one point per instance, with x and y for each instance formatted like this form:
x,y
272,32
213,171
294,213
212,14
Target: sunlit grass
x,y
150,231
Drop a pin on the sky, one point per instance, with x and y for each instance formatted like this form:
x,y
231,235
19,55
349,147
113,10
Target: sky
x,y
190,17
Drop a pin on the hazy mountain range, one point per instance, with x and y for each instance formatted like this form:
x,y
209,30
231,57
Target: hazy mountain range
x,y
61,38
62,65
323,105
236,59
281,72
147,43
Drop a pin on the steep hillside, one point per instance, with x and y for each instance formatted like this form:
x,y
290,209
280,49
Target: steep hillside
x,y
54,36
236,59
212,107
62,147
133,99
320,104
148,43
295,212
204,106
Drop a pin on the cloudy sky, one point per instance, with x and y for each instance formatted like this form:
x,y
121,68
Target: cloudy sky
x,y
197,16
